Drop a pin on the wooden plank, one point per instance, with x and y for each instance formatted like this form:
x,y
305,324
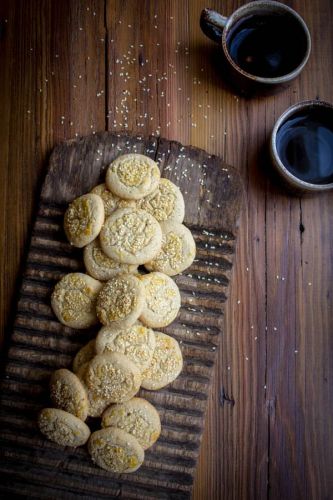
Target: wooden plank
x,y
40,344
53,56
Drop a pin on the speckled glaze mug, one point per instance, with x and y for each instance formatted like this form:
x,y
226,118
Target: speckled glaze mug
x,y
265,45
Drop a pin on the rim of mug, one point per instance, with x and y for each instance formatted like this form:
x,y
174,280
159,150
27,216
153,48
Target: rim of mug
x,y
238,14
296,181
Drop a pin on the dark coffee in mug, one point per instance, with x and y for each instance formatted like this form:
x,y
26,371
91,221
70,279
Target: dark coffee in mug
x,y
304,144
268,45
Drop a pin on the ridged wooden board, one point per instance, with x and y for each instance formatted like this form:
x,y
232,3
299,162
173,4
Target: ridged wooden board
x,y
35,467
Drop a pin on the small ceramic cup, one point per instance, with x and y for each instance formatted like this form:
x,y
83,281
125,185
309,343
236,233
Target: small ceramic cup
x,y
301,147
220,29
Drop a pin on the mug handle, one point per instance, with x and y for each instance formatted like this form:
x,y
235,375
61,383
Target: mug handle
x,y
212,24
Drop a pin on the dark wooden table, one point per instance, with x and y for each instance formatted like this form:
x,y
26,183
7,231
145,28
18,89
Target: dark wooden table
x,y
75,67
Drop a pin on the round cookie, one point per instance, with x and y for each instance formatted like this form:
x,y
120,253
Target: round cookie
x,y
112,377
120,301
67,393
84,219
85,354
177,252
165,203
136,342
102,267
74,300
166,365
63,428
131,236
111,201
132,176
115,450
137,417
162,300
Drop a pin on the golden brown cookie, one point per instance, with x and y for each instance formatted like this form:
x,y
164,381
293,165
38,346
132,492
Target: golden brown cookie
x,y
166,365
131,236
115,450
132,176
137,417
112,377
165,203
67,393
162,300
120,301
84,219
74,300
177,252
63,428
136,342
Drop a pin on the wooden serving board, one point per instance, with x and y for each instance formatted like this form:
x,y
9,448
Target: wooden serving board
x,y
31,466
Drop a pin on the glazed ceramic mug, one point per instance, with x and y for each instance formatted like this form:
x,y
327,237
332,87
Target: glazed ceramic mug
x,y
265,45
301,147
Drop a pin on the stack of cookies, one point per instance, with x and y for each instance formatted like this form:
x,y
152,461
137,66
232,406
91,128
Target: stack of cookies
x,y
134,219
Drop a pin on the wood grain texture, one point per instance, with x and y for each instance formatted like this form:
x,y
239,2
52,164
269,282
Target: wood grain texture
x,y
270,435
40,344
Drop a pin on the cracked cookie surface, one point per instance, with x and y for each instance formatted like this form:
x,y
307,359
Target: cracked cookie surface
x,y
138,417
112,377
162,300
84,219
74,300
136,342
131,236
177,252
165,203
63,428
67,393
115,450
132,176
166,364
120,301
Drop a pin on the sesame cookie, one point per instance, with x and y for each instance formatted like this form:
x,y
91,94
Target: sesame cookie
x,y
131,236
115,450
102,267
177,252
165,203
137,417
162,300
132,176
120,301
74,300
63,428
166,365
85,354
112,377
136,342
84,219
111,201
68,393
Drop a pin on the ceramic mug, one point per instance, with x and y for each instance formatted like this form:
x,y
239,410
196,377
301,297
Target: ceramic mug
x,y
301,147
265,45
